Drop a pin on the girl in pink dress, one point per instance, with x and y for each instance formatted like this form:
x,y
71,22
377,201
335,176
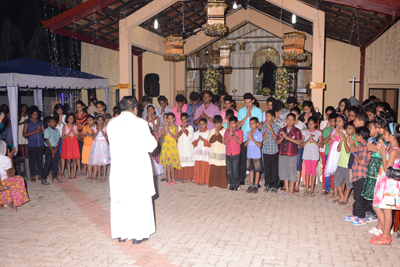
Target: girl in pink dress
x,y
387,190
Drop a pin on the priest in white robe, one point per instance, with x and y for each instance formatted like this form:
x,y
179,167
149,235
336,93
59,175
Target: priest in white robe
x,y
131,175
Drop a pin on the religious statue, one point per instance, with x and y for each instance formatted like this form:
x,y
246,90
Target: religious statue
x,y
268,69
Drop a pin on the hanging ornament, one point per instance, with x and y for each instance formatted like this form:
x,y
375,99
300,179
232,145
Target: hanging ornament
x,y
174,45
215,25
293,48
224,59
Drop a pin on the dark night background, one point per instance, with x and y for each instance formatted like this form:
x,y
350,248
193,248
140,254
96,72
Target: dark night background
x,y
22,34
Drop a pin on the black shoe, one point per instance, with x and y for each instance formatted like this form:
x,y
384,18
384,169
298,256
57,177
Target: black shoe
x,y
255,190
121,240
44,182
231,187
267,188
236,188
274,190
242,183
163,179
258,186
250,189
137,242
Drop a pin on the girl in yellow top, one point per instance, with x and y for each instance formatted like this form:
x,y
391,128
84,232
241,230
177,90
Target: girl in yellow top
x,y
169,156
87,144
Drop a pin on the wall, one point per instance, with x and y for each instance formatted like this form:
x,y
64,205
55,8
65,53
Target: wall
x,y
153,63
102,62
382,68
342,62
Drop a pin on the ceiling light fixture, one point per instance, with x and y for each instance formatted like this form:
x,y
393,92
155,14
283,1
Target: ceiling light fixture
x,y
234,5
156,24
293,19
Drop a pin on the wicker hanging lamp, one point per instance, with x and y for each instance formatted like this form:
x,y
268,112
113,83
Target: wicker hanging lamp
x,y
174,46
215,25
293,48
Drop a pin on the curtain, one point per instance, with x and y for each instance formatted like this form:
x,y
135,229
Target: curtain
x,y
12,92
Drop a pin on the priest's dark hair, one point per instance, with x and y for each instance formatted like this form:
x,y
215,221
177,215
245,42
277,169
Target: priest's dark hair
x,y
128,103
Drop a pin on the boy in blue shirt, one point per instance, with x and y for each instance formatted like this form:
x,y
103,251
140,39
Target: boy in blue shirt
x,y
253,142
244,116
52,141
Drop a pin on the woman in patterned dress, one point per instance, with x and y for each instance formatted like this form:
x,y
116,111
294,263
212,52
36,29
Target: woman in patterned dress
x,y
387,190
18,195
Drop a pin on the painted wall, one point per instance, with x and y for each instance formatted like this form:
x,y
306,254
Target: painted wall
x,y
382,68
342,62
103,62
153,63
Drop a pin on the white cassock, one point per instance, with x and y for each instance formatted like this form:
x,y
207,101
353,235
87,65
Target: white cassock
x,y
131,177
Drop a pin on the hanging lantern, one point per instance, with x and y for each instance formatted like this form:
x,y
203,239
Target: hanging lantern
x,y
215,25
174,45
293,48
224,59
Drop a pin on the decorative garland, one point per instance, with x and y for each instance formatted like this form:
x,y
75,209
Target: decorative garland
x,y
214,29
174,57
216,4
295,35
295,56
211,80
283,84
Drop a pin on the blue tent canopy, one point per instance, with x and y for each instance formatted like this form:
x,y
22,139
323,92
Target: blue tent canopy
x,y
28,72
31,73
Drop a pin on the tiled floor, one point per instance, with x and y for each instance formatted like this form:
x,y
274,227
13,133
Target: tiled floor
x,y
69,225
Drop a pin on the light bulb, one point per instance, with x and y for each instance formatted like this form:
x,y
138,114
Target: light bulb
x,y
156,24
293,19
234,5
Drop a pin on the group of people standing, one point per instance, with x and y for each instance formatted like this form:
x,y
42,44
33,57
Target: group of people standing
x,y
217,146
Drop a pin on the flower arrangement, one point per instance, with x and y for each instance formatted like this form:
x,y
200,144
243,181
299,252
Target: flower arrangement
x,y
211,80
283,84
295,56
265,91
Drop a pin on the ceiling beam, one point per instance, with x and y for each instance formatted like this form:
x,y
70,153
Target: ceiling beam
x,y
350,22
349,27
76,13
359,12
113,22
346,15
81,36
91,22
374,6
377,34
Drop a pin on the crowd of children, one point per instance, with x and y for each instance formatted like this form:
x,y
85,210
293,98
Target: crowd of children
x,y
65,139
210,143
355,144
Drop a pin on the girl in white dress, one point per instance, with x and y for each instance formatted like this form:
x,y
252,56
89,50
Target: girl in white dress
x,y
99,152
22,141
58,114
